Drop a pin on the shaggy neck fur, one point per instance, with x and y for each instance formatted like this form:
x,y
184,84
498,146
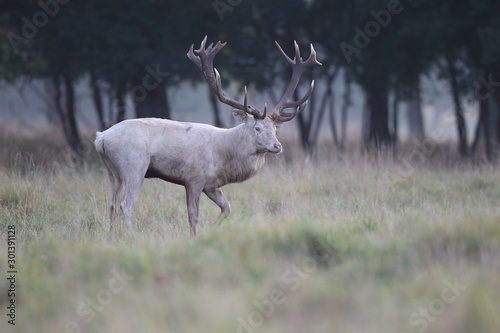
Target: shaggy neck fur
x,y
241,160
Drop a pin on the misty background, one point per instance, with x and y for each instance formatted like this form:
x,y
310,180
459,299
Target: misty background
x,y
393,71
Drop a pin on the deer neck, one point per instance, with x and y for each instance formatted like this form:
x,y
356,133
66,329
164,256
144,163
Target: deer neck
x,y
240,158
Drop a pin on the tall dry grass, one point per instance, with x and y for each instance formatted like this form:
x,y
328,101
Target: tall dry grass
x,y
343,243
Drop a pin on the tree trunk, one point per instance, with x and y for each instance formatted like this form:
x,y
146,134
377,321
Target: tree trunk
x,y
304,122
65,109
459,113
310,120
74,135
110,106
485,113
329,99
495,116
365,123
121,106
331,110
154,103
483,130
316,128
215,108
378,108
61,114
345,108
395,121
415,117
97,99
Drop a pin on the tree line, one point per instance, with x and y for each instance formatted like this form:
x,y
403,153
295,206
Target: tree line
x,y
136,50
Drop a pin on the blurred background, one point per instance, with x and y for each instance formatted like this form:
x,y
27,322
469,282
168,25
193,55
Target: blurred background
x,y
393,71
382,214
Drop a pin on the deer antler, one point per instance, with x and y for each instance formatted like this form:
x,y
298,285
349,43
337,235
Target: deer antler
x,y
298,67
204,59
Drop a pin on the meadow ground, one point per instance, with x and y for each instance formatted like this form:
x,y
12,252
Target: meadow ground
x,y
333,245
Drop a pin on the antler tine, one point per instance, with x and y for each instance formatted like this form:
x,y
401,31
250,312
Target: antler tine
x,y
245,100
202,45
299,105
218,83
301,101
287,59
297,57
193,57
312,58
309,62
248,109
204,52
289,116
204,58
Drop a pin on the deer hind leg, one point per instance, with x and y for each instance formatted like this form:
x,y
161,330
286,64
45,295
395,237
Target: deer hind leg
x,y
132,190
218,197
116,188
193,193
133,180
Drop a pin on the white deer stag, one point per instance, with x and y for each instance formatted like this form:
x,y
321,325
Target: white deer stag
x,y
200,157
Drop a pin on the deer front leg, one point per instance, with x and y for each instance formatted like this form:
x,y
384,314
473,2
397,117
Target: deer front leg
x,y
193,193
218,197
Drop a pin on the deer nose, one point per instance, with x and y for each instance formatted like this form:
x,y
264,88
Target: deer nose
x,y
277,148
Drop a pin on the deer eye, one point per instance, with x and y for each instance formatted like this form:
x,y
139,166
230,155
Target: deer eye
x,y
257,129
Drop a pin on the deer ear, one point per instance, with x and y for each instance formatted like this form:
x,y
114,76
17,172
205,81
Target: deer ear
x,y
240,115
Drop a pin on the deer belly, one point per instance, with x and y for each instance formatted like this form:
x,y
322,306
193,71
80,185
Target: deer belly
x,y
154,173
170,170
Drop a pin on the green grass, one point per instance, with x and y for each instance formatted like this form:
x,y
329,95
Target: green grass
x,y
327,246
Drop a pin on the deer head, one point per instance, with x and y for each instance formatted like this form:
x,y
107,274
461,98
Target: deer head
x,y
260,126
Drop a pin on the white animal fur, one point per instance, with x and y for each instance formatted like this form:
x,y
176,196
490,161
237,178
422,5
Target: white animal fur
x,y
201,157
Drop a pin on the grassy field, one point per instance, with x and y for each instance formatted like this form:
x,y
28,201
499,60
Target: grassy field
x,y
333,245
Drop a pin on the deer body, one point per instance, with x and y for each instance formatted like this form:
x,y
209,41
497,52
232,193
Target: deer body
x,y
184,152
201,157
